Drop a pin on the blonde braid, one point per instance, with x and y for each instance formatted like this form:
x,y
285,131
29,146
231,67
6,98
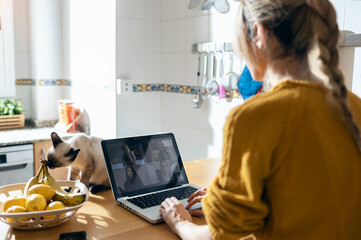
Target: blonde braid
x,y
327,32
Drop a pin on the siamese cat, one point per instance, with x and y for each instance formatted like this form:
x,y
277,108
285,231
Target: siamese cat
x,y
84,155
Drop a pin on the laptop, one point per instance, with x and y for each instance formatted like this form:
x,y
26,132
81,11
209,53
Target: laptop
x,y
145,170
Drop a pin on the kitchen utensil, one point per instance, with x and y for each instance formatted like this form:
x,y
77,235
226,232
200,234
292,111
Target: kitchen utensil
x,y
221,91
198,100
205,73
43,152
212,84
207,4
35,220
230,79
222,6
193,4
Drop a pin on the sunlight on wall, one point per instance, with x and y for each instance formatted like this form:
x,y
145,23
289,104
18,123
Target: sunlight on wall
x,y
91,60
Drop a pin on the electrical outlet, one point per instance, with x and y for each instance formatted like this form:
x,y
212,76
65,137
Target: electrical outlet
x,y
124,86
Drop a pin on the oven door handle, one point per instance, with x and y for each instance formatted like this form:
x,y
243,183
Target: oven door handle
x,y
5,165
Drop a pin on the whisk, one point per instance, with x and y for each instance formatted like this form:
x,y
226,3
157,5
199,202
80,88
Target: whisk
x,y
222,6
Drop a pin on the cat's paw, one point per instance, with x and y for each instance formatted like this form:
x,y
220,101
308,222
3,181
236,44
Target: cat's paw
x,y
98,188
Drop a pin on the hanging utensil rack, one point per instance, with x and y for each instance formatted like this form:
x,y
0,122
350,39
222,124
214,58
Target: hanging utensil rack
x,y
208,47
351,40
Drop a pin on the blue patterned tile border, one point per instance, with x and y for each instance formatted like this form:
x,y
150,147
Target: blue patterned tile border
x,y
178,89
54,82
166,88
43,82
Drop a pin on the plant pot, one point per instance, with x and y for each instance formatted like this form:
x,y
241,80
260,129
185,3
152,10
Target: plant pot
x,y
11,122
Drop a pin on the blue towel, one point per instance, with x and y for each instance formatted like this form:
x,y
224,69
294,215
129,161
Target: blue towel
x,y
247,86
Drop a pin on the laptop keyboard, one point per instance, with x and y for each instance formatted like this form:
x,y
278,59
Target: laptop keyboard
x,y
155,199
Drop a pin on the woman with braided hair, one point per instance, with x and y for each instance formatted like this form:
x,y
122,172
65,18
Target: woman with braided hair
x,y
291,161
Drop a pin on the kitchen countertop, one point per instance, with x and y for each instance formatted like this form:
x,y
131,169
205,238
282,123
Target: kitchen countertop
x,y
30,135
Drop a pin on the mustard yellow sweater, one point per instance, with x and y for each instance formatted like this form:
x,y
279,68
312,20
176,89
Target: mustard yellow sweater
x,y
290,169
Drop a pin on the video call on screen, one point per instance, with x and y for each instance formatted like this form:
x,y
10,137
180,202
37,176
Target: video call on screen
x,y
145,163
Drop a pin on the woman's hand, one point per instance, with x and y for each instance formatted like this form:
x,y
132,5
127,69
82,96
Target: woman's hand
x,y
174,214
193,199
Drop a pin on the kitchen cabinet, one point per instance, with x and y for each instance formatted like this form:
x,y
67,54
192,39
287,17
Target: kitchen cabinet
x,y
58,173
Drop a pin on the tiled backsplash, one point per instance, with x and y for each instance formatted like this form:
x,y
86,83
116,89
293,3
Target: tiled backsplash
x,y
157,87
43,82
177,89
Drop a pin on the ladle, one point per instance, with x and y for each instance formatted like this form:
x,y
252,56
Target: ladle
x,y
207,4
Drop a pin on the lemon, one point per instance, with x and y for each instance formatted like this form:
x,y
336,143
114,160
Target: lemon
x,y
35,202
42,189
11,201
56,205
16,209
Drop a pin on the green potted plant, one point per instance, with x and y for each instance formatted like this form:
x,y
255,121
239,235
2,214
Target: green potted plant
x,y
11,113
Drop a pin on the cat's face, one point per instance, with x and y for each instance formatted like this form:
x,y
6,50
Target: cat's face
x,y
61,154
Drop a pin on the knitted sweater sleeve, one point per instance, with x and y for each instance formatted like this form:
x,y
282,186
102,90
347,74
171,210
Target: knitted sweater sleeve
x,y
236,205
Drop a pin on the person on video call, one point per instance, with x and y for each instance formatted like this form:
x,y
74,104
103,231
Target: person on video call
x,y
291,162
129,156
167,173
133,182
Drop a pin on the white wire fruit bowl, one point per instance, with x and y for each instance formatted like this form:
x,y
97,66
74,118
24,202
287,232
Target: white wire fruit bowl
x,y
36,220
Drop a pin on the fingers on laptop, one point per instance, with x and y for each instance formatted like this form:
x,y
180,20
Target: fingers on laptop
x,y
199,192
194,201
170,202
196,197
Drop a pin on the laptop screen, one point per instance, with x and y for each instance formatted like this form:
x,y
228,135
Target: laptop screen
x,y
138,165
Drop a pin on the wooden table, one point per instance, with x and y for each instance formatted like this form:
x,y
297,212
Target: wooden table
x,y
102,218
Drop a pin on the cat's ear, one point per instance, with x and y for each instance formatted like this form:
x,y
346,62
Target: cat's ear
x,y
56,139
73,153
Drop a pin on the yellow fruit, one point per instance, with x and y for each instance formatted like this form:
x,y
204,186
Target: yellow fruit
x,y
35,202
11,201
42,189
16,209
56,205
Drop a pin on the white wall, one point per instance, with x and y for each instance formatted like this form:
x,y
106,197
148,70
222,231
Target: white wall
x,y
22,52
198,131
71,40
139,61
89,60
39,56
154,40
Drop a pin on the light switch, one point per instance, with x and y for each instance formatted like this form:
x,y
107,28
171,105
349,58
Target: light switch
x,y
124,86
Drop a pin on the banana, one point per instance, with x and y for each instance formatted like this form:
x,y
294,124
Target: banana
x,y
69,199
32,181
49,180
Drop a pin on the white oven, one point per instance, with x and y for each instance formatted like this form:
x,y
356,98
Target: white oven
x,y
16,164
